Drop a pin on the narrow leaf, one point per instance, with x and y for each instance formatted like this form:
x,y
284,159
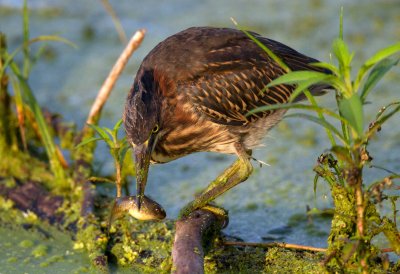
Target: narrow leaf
x,y
382,54
55,38
303,85
100,131
295,77
376,74
263,47
87,141
341,23
117,125
315,185
25,24
342,154
352,110
327,66
320,122
298,106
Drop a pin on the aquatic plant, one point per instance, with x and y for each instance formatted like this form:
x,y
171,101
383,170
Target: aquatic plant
x,y
25,98
117,148
356,220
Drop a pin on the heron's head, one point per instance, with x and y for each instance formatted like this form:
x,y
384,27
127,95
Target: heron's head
x,y
142,125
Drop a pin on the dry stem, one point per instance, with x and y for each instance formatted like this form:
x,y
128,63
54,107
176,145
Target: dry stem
x,y
284,245
108,84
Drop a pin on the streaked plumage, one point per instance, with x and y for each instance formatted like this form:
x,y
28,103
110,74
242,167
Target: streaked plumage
x,y
192,93
201,83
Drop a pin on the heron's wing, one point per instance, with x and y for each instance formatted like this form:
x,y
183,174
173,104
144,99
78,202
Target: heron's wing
x,y
227,96
234,75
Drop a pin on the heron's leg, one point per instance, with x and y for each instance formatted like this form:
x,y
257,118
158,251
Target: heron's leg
x,y
238,172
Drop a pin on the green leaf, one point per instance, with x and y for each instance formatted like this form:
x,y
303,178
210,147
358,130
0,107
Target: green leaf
x,y
303,85
377,57
44,130
320,122
295,77
116,129
315,185
54,38
376,74
25,24
111,133
341,23
264,47
118,125
352,110
382,54
328,66
342,154
298,106
122,153
341,51
87,141
103,134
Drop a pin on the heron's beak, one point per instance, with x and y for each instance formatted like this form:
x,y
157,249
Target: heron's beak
x,y
142,160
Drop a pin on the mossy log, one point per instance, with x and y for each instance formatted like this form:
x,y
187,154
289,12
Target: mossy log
x,y
193,237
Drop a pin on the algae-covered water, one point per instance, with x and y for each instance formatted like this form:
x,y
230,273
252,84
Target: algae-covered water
x,y
271,205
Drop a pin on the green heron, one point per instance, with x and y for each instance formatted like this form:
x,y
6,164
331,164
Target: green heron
x,y
193,92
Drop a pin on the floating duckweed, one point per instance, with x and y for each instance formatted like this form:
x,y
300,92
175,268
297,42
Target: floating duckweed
x,y
12,260
6,204
78,245
52,260
26,244
31,217
39,251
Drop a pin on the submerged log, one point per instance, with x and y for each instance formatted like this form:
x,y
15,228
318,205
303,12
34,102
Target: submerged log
x,y
193,237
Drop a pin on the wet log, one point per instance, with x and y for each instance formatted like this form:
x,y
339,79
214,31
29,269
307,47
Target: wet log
x,y
194,235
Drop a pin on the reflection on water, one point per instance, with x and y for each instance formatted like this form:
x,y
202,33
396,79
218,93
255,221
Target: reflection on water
x,y
272,203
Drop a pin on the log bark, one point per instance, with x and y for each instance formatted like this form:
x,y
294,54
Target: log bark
x,y
194,235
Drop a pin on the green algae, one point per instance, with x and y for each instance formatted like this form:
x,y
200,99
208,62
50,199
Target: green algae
x,y
278,260
26,249
40,251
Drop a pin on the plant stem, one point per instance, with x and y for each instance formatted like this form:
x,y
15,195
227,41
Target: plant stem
x,y
284,245
118,177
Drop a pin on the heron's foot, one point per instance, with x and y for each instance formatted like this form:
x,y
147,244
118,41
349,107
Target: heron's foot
x,y
219,212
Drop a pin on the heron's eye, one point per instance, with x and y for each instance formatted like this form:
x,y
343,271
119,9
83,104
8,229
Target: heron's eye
x,y
155,129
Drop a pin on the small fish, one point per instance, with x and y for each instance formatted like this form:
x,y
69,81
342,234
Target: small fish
x,y
149,209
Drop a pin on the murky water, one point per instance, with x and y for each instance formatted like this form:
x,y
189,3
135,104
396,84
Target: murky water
x,y
271,205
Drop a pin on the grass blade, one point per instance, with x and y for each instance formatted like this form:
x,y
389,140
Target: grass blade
x,y
298,106
103,134
320,122
341,23
25,24
19,105
263,47
46,137
295,77
375,75
327,66
87,141
376,58
54,38
382,54
320,114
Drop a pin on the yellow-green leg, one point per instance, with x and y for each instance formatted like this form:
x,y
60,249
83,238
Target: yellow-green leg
x,y
238,172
